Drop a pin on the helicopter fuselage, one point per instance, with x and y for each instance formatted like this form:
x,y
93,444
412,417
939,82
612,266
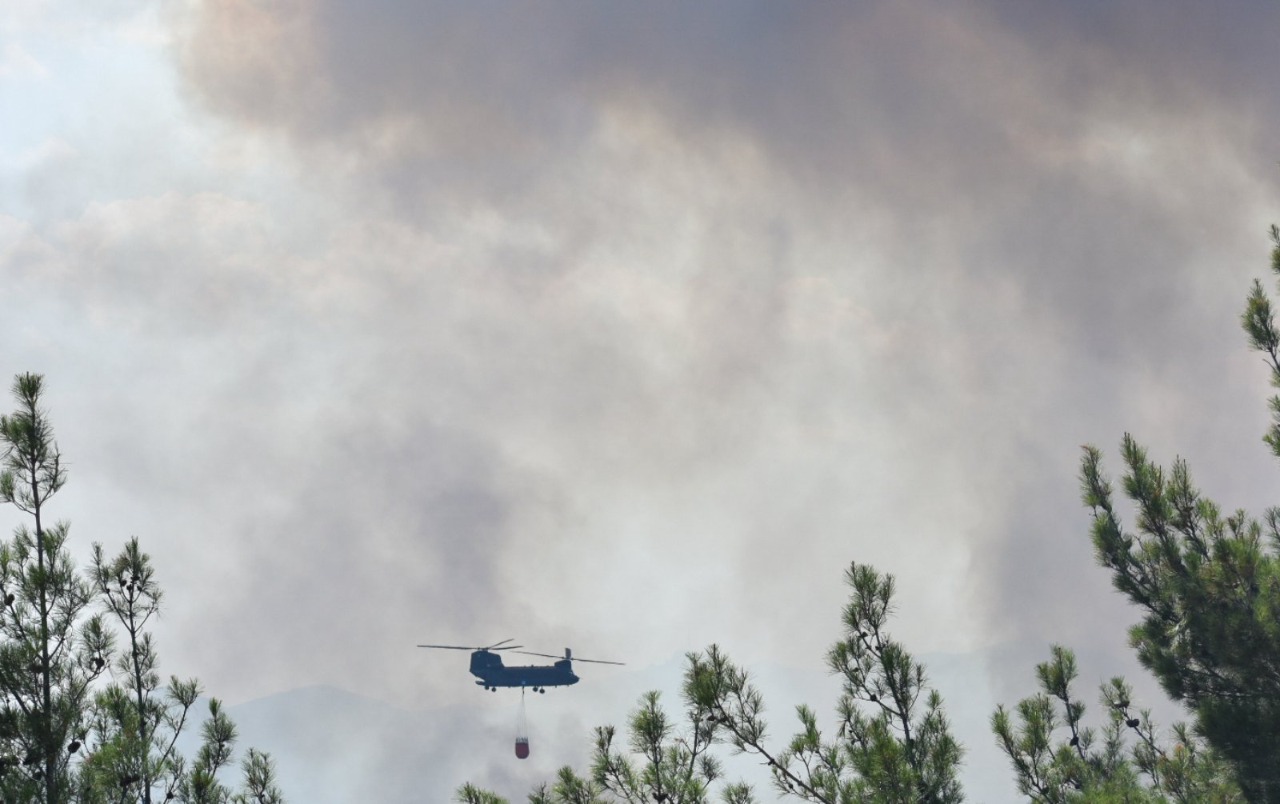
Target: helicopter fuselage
x,y
492,673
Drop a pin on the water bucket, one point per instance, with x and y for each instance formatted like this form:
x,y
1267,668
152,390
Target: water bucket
x,y
522,748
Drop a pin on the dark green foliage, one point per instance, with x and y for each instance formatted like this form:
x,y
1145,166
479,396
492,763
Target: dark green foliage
x,y
1210,590
470,794
1208,585
1259,324
1211,594
569,788
135,725
82,714
1058,759
201,785
675,768
259,780
893,743
50,643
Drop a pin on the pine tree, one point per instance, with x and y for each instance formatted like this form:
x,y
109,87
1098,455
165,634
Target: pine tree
x,y
470,794
1056,758
135,725
80,720
259,780
51,646
1209,586
893,744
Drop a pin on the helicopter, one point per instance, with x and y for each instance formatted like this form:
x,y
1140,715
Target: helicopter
x,y
487,666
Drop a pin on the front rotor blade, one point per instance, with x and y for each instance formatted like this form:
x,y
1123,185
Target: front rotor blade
x,y
449,647
597,661
543,655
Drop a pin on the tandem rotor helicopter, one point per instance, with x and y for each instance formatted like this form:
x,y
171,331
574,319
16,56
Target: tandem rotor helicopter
x,y
487,666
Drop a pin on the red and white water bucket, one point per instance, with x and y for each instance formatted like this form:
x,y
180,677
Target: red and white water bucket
x,y
522,748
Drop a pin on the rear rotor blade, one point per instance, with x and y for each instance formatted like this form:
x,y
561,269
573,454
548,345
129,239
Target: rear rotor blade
x,y
543,655
466,647
561,656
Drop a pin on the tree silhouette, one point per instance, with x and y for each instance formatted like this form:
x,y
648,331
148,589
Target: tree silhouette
x,y
1208,583
51,645
82,714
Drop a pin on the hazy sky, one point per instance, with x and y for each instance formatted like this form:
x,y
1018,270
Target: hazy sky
x,y
626,326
